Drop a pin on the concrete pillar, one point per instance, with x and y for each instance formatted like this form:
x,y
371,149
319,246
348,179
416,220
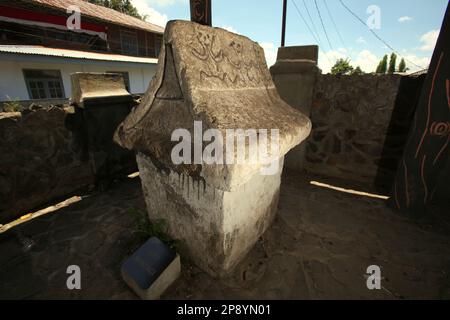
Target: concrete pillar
x,y
294,75
220,80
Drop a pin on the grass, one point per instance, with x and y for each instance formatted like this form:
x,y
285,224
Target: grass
x,y
145,229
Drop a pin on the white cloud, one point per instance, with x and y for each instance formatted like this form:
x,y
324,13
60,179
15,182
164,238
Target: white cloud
x,y
270,52
361,40
421,62
228,28
328,59
163,3
429,39
153,16
367,60
404,19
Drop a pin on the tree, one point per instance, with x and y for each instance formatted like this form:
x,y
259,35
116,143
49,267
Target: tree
x,y
378,70
402,66
123,6
382,66
357,71
342,66
392,63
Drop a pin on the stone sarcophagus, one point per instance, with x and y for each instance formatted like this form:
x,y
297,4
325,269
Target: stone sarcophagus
x,y
213,96
101,104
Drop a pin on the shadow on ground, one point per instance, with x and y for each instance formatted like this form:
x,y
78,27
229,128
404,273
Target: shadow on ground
x,y
319,247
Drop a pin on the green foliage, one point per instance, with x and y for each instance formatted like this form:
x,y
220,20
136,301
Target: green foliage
x,y
392,63
123,6
12,106
145,229
341,67
382,66
402,66
357,71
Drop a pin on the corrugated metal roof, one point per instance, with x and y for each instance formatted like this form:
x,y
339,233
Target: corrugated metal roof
x,y
101,13
419,73
53,52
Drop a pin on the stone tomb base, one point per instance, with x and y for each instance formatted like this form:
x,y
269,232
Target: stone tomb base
x,y
216,228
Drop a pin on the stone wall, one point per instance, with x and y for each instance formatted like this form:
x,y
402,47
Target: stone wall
x,y
18,106
360,125
39,161
46,156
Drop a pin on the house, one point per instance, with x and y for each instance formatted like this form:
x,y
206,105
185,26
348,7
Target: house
x,y
40,48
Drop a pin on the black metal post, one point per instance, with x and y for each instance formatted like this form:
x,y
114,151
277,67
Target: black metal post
x,y
283,27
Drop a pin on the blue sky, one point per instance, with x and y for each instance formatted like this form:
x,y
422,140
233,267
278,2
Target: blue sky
x,y
409,26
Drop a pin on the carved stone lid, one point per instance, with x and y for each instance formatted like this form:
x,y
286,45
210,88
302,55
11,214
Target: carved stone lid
x,y
216,77
91,85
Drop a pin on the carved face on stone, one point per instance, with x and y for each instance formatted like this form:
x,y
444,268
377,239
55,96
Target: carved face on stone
x,y
237,47
204,38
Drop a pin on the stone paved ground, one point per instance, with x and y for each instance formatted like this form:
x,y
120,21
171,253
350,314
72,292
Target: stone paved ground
x,y
318,247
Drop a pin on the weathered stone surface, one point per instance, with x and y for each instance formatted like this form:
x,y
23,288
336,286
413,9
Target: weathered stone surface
x,y
217,77
101,104
91,85
306,53
39,161
360,126
49,153
294,75
216,228
221,79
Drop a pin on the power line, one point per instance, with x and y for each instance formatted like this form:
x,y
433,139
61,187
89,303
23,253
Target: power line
x,y
323,26
304,20
334,23
310,19
377,36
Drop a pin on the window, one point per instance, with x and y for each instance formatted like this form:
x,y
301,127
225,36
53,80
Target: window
x,y
44,84
129,42
158,43
126,78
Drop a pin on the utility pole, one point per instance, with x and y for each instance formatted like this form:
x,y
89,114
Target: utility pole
x,y
283,26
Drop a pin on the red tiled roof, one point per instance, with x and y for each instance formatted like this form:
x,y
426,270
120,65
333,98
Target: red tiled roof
x,y
101,13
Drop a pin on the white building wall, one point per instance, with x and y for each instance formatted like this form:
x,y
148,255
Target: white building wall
x,y
12,81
